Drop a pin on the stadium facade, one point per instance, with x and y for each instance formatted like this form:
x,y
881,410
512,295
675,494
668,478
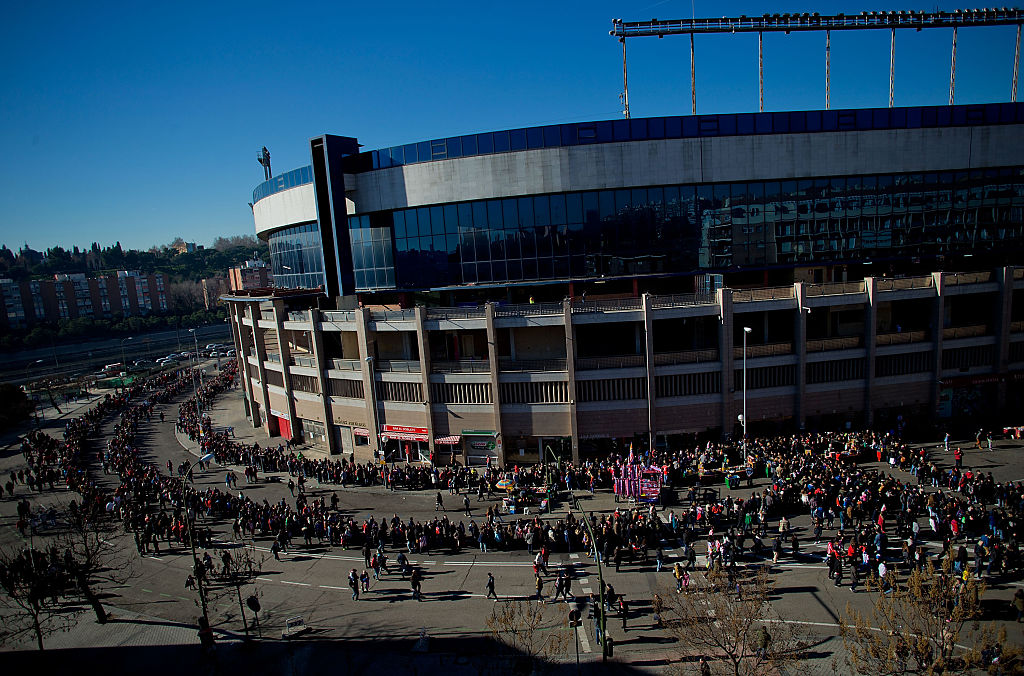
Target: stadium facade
x,y
573,289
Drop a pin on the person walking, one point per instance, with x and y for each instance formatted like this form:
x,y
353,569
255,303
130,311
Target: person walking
x,y
353,583
465,503
438,502
490,587
539,583
414,583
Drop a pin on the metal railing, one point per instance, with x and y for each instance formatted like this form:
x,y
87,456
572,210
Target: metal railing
x,y
1016,327
607,305
338,315
683,300
957,278
461,366
303,360
267,315
766,350
901,338
506,364
770,293
528,309
965,331
686,357
624,361
478,312
272,357
298,315
840,343
392,315
833,288
397,365
899,284
346,365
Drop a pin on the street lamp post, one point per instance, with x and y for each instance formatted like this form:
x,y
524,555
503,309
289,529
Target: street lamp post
x,y
746,331
373,404
123,360
195,385
37,361
191,535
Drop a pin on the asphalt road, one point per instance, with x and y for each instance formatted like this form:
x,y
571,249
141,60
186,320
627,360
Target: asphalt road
x,y
311,582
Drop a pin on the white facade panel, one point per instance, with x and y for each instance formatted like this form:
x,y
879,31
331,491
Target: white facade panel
x,y
288,207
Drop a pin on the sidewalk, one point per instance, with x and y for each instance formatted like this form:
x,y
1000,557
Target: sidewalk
x,y
49,420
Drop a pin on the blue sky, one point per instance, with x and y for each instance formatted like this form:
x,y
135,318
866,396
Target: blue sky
x,y
140,123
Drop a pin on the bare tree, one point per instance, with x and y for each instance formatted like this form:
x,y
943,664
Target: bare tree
x,y
523,627
926,624
731,621
92,559
240,566
30,584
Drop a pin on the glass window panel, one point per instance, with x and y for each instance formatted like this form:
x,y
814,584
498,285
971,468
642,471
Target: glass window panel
x,y
469,273
497,238
451,243
436,221
512,247
483,272
543,234
558,209
465,216
485,143
529,268
534,138
501,142
591,210
510,213
494,216
655,129
468,145
541,210
525,212
574,207
621,201
499,272
514,269
606,204
480,214
528,242
423,151
551,136
517,139
545,268
673,129
437,243
399,221
423,221
483,246
451,218
467,244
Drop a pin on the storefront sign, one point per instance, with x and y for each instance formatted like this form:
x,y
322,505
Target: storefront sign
x,y
280,415
404,432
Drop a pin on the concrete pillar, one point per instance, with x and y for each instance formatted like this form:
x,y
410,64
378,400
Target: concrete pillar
x,y
870,348
938,319
1004,314
280,314
652,411
263,398
367,341
800,343
423,345
323,383
242,336
570,368
492,361
725,353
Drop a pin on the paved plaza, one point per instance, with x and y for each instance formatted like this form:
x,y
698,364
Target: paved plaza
x,y
155,610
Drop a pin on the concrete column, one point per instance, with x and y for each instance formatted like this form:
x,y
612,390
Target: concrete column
x,y
870,348
423,345
261,356
1004,314
243,342
800,343
725,353
570,367
492,361
652,411
366,341
938,318
323,384
280,314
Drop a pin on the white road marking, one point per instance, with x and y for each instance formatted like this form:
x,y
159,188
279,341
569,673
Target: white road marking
x,y
301,584
327,586
585,580
587,590
584,641
574,556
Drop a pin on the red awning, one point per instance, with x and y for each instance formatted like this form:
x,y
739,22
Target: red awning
x,y
360,431
452,440
403,436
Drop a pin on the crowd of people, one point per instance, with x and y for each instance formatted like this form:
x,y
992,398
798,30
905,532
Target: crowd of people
x,y
869,519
